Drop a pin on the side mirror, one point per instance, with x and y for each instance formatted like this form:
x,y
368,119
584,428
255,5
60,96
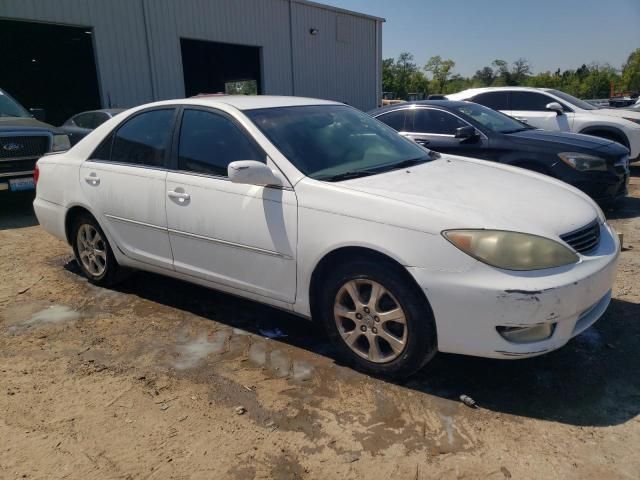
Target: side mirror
x,y
555,107
251,172
38,113
466,132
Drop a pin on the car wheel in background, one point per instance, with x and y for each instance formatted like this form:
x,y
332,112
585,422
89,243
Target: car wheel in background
x,y
93,252
379,321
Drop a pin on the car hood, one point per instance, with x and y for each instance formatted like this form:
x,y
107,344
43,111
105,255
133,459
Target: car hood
x,y
563,140
24,124
617,112
460,192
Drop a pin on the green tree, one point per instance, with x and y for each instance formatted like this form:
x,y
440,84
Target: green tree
x,y
631,72
440,71
484,77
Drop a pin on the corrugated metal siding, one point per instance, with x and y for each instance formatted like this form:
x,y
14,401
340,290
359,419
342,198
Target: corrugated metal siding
x,y
137,44
339,62
120,47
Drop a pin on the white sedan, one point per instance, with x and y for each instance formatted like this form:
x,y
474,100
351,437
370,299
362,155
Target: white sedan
x,y
316,208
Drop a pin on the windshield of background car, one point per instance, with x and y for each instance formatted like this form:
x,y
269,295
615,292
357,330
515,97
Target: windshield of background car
x,y
10,108
490,119
573,100
324,141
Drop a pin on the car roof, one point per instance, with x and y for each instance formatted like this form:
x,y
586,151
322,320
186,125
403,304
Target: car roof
x,y
248,102
434,103
475,91
111,111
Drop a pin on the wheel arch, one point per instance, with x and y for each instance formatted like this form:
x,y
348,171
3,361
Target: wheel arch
x,y
345,253
609,132
72,214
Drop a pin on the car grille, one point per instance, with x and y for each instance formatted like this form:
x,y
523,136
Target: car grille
x,y
23,147
584,239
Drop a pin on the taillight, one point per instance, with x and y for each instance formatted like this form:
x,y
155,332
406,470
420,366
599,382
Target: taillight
x,y
36,174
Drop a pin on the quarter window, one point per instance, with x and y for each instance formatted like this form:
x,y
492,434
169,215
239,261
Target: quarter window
x,y
428,120
529,101
144,139
209,142
495,100
396,120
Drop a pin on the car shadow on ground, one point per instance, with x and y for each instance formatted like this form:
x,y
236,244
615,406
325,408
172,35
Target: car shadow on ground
x,y
593,381
16,210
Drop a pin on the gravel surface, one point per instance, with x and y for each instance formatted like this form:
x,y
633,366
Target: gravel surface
x,y
161,379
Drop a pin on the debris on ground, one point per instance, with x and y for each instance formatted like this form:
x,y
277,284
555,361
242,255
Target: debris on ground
x,y
468,401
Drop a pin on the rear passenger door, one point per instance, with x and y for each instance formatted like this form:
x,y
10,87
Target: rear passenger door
x,y
124,182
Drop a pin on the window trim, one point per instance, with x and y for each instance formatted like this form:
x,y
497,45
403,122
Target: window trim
x,y
174,162
551,99
176,108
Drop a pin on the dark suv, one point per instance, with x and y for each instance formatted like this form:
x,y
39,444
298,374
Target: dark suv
x,y
23,139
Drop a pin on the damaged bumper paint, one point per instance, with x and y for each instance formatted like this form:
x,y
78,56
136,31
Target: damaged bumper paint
x,y
470,307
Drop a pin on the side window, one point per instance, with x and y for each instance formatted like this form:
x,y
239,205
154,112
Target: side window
x,y
144,139
210,142
495,100
530,101
436,121
395,120
84,120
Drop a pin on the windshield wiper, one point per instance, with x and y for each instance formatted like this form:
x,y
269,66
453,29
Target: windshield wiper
x,y
348,175
411,162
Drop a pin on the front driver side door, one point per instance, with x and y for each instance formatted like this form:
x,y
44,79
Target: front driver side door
x,y
435,129
531,108
240,236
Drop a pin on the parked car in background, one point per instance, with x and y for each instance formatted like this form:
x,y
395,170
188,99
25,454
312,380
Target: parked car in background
x,y
597,166
81,124
23,140
314,207
555,110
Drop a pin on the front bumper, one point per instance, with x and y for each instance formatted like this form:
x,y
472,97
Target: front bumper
x,y
468,306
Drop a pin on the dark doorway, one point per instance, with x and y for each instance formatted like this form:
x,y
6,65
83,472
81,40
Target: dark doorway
x,y
49,66
212,67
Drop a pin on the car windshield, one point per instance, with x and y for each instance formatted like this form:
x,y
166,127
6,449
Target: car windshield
x,y
10,108
576,102
336,142
490,119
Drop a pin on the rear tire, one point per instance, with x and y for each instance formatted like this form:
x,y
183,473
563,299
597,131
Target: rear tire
x,y
388,329
93,252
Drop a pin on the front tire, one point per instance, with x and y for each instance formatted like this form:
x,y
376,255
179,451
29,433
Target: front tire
x,y
378,320
93,252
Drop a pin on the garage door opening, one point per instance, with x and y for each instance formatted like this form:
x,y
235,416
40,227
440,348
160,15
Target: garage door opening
x,y
212,67
49,66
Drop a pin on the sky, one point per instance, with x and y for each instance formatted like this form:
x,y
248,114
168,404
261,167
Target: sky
x,y
550,34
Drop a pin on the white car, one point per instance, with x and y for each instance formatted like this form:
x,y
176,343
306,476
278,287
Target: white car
x,y
316,208
551,109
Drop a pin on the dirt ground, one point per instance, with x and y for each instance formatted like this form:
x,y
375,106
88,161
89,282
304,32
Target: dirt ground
x,y
145,381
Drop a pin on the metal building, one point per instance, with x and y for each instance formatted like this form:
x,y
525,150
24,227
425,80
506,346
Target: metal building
x,y
72,55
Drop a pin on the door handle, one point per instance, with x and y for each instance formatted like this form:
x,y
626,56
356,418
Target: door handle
x,y
422,141
92,179
181,197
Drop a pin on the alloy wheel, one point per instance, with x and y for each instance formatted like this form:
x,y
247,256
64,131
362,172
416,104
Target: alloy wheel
x,y
370,320
92,250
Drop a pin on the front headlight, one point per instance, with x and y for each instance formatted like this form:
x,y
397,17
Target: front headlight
x,y
60,143
583,161
511,250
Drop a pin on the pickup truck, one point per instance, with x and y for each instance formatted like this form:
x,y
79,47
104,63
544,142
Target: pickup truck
x,y
23,140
